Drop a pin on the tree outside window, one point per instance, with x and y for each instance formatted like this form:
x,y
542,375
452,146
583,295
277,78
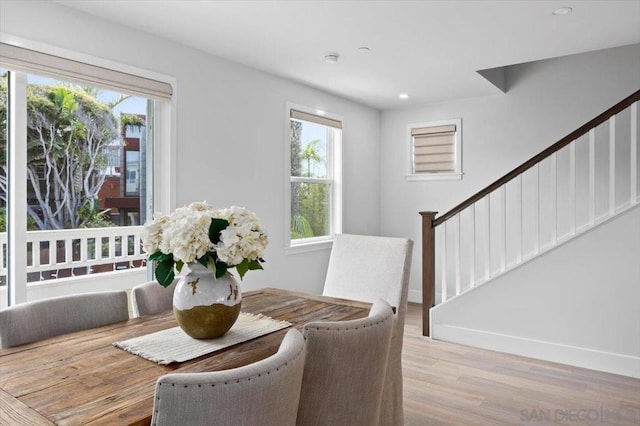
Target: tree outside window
x,y
312,144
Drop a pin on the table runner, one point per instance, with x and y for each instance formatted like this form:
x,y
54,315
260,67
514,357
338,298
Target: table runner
x,y
174,345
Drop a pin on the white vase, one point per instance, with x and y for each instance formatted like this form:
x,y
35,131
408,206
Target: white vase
x,y
206,307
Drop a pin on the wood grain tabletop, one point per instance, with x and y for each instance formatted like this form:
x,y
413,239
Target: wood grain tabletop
x,y
82,379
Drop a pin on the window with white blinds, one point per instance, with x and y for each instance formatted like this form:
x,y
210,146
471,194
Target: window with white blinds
x,y
31,61
435,150
314,118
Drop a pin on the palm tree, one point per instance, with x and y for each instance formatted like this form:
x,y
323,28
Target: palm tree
x,y
310,154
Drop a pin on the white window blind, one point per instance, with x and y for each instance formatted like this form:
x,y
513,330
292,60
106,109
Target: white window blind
x,y
434,149
318,119
30,61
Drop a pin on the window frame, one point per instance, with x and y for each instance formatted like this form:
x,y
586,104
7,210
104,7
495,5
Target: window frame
x,y
426,176
162,153
333,179
136,192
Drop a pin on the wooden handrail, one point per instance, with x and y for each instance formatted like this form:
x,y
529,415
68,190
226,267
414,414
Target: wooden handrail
x,y
428,270
580,131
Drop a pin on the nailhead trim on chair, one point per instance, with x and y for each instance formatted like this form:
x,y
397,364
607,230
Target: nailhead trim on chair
x,y
241,380
173,385
385,319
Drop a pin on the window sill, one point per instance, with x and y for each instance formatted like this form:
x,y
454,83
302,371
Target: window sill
x,y
309,246
434,176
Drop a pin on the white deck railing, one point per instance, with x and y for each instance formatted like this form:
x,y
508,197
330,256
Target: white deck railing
x,y
71,252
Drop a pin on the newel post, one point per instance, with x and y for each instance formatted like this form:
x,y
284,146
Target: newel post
x,y
428,268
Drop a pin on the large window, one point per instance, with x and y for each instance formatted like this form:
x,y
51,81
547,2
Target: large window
x,y
70,173
314,179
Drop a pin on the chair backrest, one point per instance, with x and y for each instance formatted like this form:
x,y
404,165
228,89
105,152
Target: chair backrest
x,y
345,369
363,267
41,319
151,298
264,393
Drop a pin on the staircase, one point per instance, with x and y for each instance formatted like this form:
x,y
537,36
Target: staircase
x,y
582,182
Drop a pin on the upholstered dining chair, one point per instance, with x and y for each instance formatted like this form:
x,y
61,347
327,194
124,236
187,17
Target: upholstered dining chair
x,y
151,298
41,319
366,268
345,369
264,393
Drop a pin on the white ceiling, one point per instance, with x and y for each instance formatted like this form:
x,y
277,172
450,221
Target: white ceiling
x,y
428,49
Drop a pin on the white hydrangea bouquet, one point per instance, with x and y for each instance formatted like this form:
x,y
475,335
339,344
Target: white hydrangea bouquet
x,y
218,239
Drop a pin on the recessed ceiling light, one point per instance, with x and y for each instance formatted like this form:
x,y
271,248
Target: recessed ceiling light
x,y
331,57
562,11
403,96
363,49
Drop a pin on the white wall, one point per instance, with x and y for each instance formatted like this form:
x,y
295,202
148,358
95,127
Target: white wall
x,y
230,131
545,101
577,304
218,161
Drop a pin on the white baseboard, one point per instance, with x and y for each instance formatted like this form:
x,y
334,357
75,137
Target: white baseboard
x,y
414,296
571,355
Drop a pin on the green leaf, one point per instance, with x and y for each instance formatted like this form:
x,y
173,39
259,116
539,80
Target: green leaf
x,y
216,226
179,265
159,256
220,269
208,262
254,264
164,273
242,268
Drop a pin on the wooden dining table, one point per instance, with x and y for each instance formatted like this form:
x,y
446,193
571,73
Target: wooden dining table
x,y
82,379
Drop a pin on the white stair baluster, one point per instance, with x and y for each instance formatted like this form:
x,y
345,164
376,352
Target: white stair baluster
x,y
592,177
612,165
520,229
443,265
634,154
457,255
487,272
503,214
572,188
536,240
472,254
554,199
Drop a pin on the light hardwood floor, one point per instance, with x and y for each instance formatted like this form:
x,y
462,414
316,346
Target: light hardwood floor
x,y
451,384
